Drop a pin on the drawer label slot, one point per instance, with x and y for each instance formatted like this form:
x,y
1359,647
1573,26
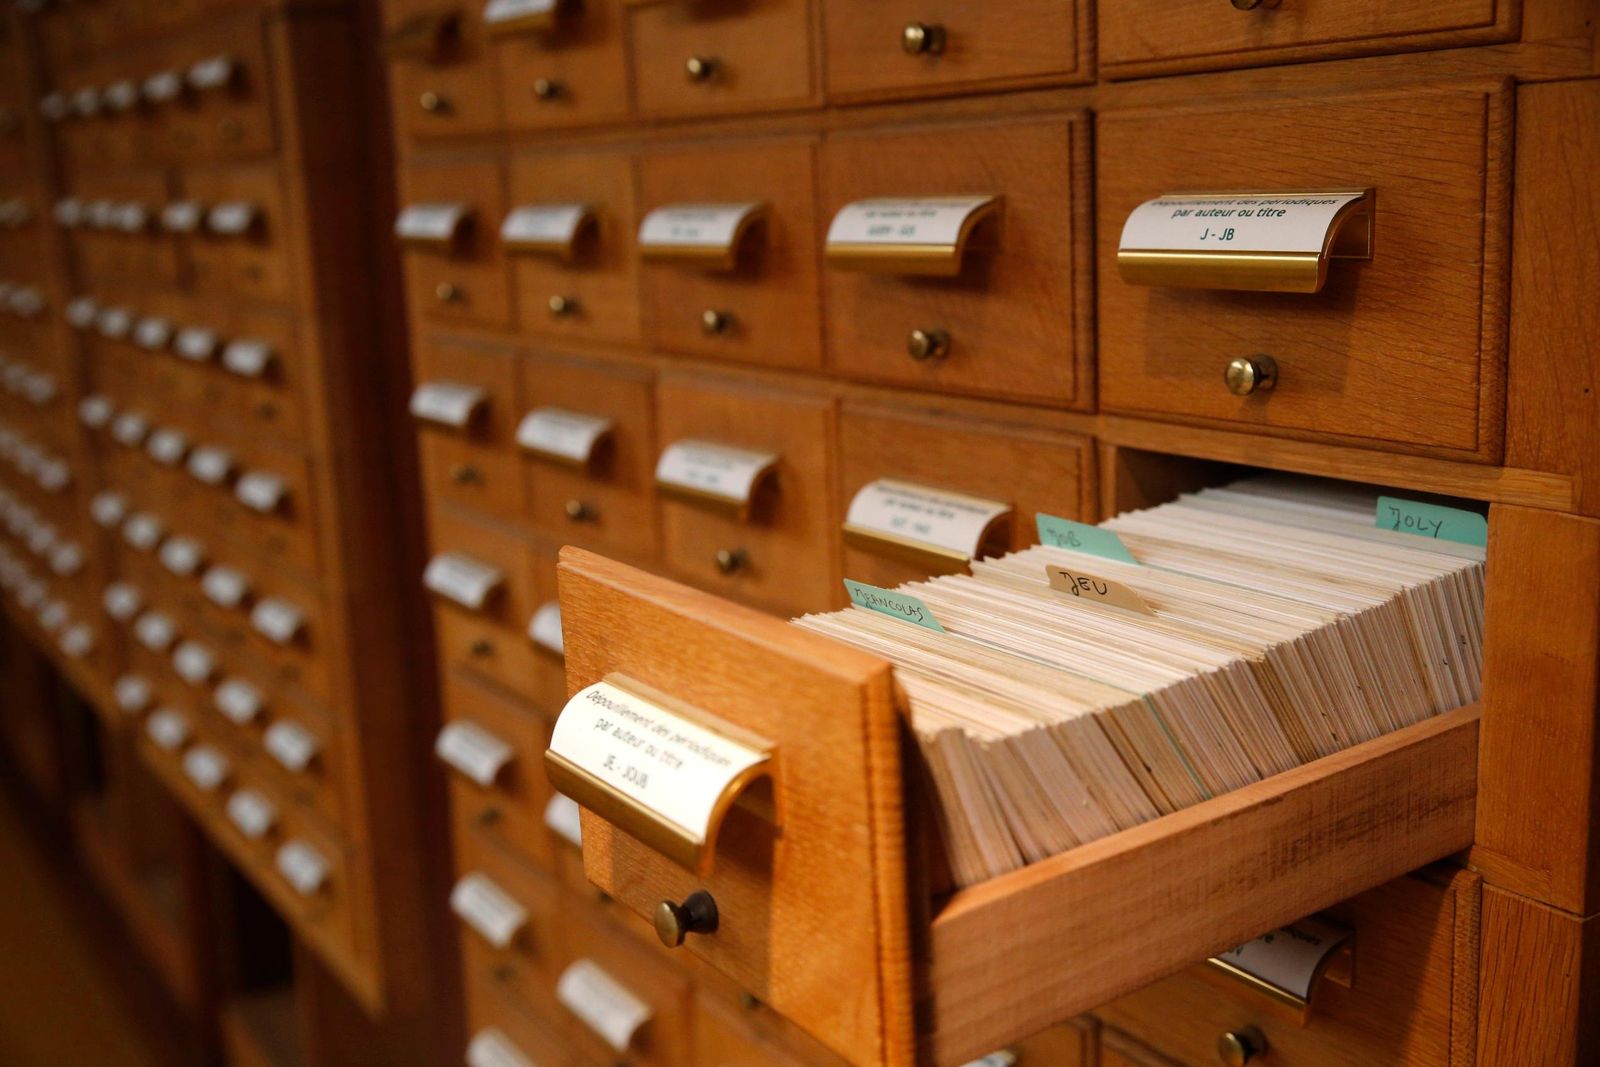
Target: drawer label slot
x,y
440,225
658,770
932,528
702,235
450,404
549,229
605,1005
705,473
1286,964
567,437
544,629
912,235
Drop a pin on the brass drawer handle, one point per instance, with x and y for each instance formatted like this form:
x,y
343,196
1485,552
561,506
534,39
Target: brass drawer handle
x,y
1255,374
562,306
448,293
1236,1048
926,38
700,68
928,344
434,103
696,915
548,89
714,322
730,560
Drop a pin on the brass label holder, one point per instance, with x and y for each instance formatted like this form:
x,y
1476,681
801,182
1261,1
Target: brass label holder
x,y
705,236
1252,241
1286,966
719,477
502,18
426,35
937,530
662,772
907,235
548,229
566,438
436,226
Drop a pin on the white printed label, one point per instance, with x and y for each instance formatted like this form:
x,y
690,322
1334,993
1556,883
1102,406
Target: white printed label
x,y
238,700
934,220
108,509
563,816
167,728
545,628
673,767
196,343
167,447
131,693
225,587
182,216
143,531
210,464
95,411
232,218
53,475
194,663
68,212
605,1005
86,101
490,1047
32,594
447,403
472,751
952,522
547,227
122,601
1288,958
82,312
711,227
66,559
214,72
152,333
260,491
123,95
77,640
102,214
129,429
1002,1058
39,388
303,867
155,631
26,301
42,539
430,222
252,813
563,435
462,579
291,744
277,620
54,107
1290,222
247,357
182,556
205,767
53,615
717,470
488,909
131,217
163,86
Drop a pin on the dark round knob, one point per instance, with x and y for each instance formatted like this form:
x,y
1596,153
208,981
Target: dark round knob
x,y
433,103
713,322
562,306
448,293
547,89
699,68
927,344
696,915
481,647
578,511
1245,376
731,559
922,38
1241,1046
465,474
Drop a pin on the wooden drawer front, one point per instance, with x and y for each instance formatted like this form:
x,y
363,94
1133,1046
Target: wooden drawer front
x,y
232,121
1032,470
528,958
788,563
870,50
770,295
609,502
1397,1010
493,640
329,914
286,628
466,283
1406,350
287,730
474,464
639,967
493,1008
252,263
594,292
232,395
573,75
110,255
452,90
725,1038
759,54
511,807
1017,315
1147,36
279,525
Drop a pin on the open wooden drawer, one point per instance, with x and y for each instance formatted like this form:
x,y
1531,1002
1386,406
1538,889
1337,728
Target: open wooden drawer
x,y
828,899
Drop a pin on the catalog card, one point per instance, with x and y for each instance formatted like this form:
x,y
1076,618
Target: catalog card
x,y
944,523
182,216
210,464
122,601
260,491
233,218
247,357
77,640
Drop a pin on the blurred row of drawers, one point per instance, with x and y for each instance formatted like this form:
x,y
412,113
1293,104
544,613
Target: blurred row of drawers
x,y
601,247
530,65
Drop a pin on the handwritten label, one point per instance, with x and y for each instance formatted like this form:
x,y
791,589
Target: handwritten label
x,y
434,223
900,606
674,768
563,816
605,1005
121,601
260,491
182,216
704,228
1432,521
545,227
247,357
490,1047
251,813
1291,222
291,744
953,522
167,728
77,640
238,700
155,631
205,767
132,694
225,587
182,556
233,218
462,579
210,464
489,910
278,620
451,404
472,751
544,629
1094,590
721,471
1290,957
108,508
303,867
562,435
194,662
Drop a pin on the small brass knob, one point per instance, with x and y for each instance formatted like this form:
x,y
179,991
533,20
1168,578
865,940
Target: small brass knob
x,y
696,915
1236,1048
448,292
548,89
699,68
433,103
578,511
714,322
1245,376
922,39
731,559
928,344
481,647
561,306
465,474
749,1001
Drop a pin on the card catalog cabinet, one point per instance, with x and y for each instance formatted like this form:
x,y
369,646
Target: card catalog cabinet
x,y
205,281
